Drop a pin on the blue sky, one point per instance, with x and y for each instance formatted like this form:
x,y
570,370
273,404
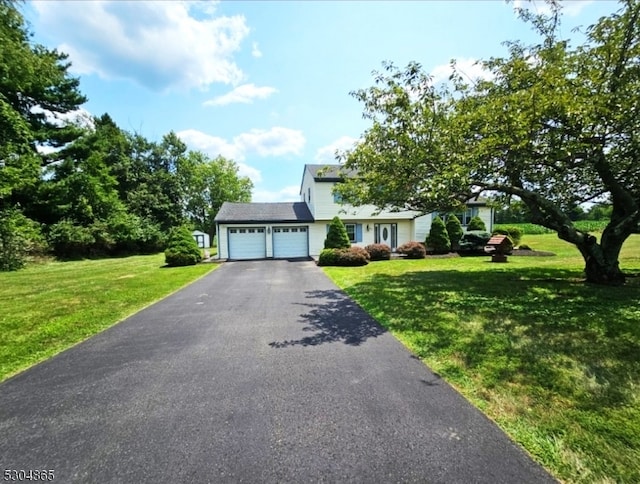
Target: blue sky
x,y
266,83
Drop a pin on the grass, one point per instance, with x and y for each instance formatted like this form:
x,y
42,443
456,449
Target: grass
x,y
554,361
49,307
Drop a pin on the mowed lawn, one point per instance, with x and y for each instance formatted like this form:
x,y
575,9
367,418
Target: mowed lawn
x,y
554,361
49,307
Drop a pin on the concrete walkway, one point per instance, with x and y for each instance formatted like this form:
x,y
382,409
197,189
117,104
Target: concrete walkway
x,y
262,371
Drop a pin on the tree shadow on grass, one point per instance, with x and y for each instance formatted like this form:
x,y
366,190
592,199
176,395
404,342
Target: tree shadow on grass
x,y
333,318
538,327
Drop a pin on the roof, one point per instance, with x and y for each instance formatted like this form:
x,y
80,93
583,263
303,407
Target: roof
x,y
264,212
329,173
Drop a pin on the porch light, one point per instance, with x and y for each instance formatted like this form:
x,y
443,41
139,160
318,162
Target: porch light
x,y
368,228
268,230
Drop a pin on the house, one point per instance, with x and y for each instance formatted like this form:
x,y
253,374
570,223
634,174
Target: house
x,y
201,238
298,229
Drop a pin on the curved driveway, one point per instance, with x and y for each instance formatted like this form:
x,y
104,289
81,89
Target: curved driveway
x,y
262,371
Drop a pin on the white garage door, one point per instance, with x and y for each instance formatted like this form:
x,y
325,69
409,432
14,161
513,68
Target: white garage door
x,y
247,243
290,242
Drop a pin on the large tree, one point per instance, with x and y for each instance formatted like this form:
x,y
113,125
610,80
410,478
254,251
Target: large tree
x,y
554,126
35,90
207,184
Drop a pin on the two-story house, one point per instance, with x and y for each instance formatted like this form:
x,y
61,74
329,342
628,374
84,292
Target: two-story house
x,y
298,229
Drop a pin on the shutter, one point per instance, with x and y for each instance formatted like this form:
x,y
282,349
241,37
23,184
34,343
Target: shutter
x,y
358,232
376,233
327,228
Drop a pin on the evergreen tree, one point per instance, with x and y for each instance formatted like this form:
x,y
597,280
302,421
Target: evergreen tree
x,y
337,237
182,248
438,239
476,223
454,230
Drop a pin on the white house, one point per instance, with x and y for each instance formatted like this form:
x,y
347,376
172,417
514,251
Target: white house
x,y
298,229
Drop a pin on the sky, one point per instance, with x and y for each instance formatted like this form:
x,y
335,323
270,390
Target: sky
x,y
267,83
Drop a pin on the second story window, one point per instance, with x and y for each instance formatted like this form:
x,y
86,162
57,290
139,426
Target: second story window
x,y
337,198
309,194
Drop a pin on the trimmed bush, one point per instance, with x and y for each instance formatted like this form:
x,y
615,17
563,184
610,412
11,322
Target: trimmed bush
x,y
525,247
379,251
475,224
182,249
413,250
351,257
474,242
337,237
514,233
438,240
454,230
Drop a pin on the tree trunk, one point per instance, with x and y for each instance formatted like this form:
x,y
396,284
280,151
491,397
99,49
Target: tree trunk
x,y
601,261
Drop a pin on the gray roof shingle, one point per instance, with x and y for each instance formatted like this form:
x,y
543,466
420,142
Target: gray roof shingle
x,y
264,212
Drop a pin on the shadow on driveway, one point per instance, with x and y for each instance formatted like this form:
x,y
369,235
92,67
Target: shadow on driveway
x,y
334,318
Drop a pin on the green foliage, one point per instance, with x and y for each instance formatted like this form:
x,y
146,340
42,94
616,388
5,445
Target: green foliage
x,y
454,229
182,249
378,251
474,242
12,241
514,233
69,240
351,257
413,250
476,223
438,239
337,237
553,125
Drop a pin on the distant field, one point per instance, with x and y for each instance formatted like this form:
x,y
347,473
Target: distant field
x,y
533,229
553,360
48,307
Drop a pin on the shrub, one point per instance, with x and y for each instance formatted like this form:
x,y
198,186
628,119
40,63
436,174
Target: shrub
x,y
474,242
379,251
69,240
337,237
454,230
438,239
182,249
514,233
476,223
353,256
413,250
525,247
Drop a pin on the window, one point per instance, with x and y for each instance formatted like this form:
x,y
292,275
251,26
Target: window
x,y
337,198
243,231
260,231
351,232
233,231
309,194
252,231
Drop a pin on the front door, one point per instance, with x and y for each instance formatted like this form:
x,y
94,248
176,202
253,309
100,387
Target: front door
x,y
386,234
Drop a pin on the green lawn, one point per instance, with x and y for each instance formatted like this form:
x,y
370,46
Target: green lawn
x,y
554,361
49,307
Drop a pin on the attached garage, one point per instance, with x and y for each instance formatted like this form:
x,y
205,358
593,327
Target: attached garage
x,y
290,242
263,230
247,243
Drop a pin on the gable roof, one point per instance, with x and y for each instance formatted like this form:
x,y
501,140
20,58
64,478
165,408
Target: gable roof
x,y
329,173
264,212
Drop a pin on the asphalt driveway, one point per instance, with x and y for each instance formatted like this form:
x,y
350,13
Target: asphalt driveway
x,y
262,371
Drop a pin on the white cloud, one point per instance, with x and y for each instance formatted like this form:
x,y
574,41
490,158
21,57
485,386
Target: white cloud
x,y
245,93
277,141
327,154
468,67
253,173
255,51
287,194
160,45
211,145
571,8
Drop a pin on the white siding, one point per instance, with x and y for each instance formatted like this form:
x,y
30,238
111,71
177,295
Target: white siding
x,y
318,232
